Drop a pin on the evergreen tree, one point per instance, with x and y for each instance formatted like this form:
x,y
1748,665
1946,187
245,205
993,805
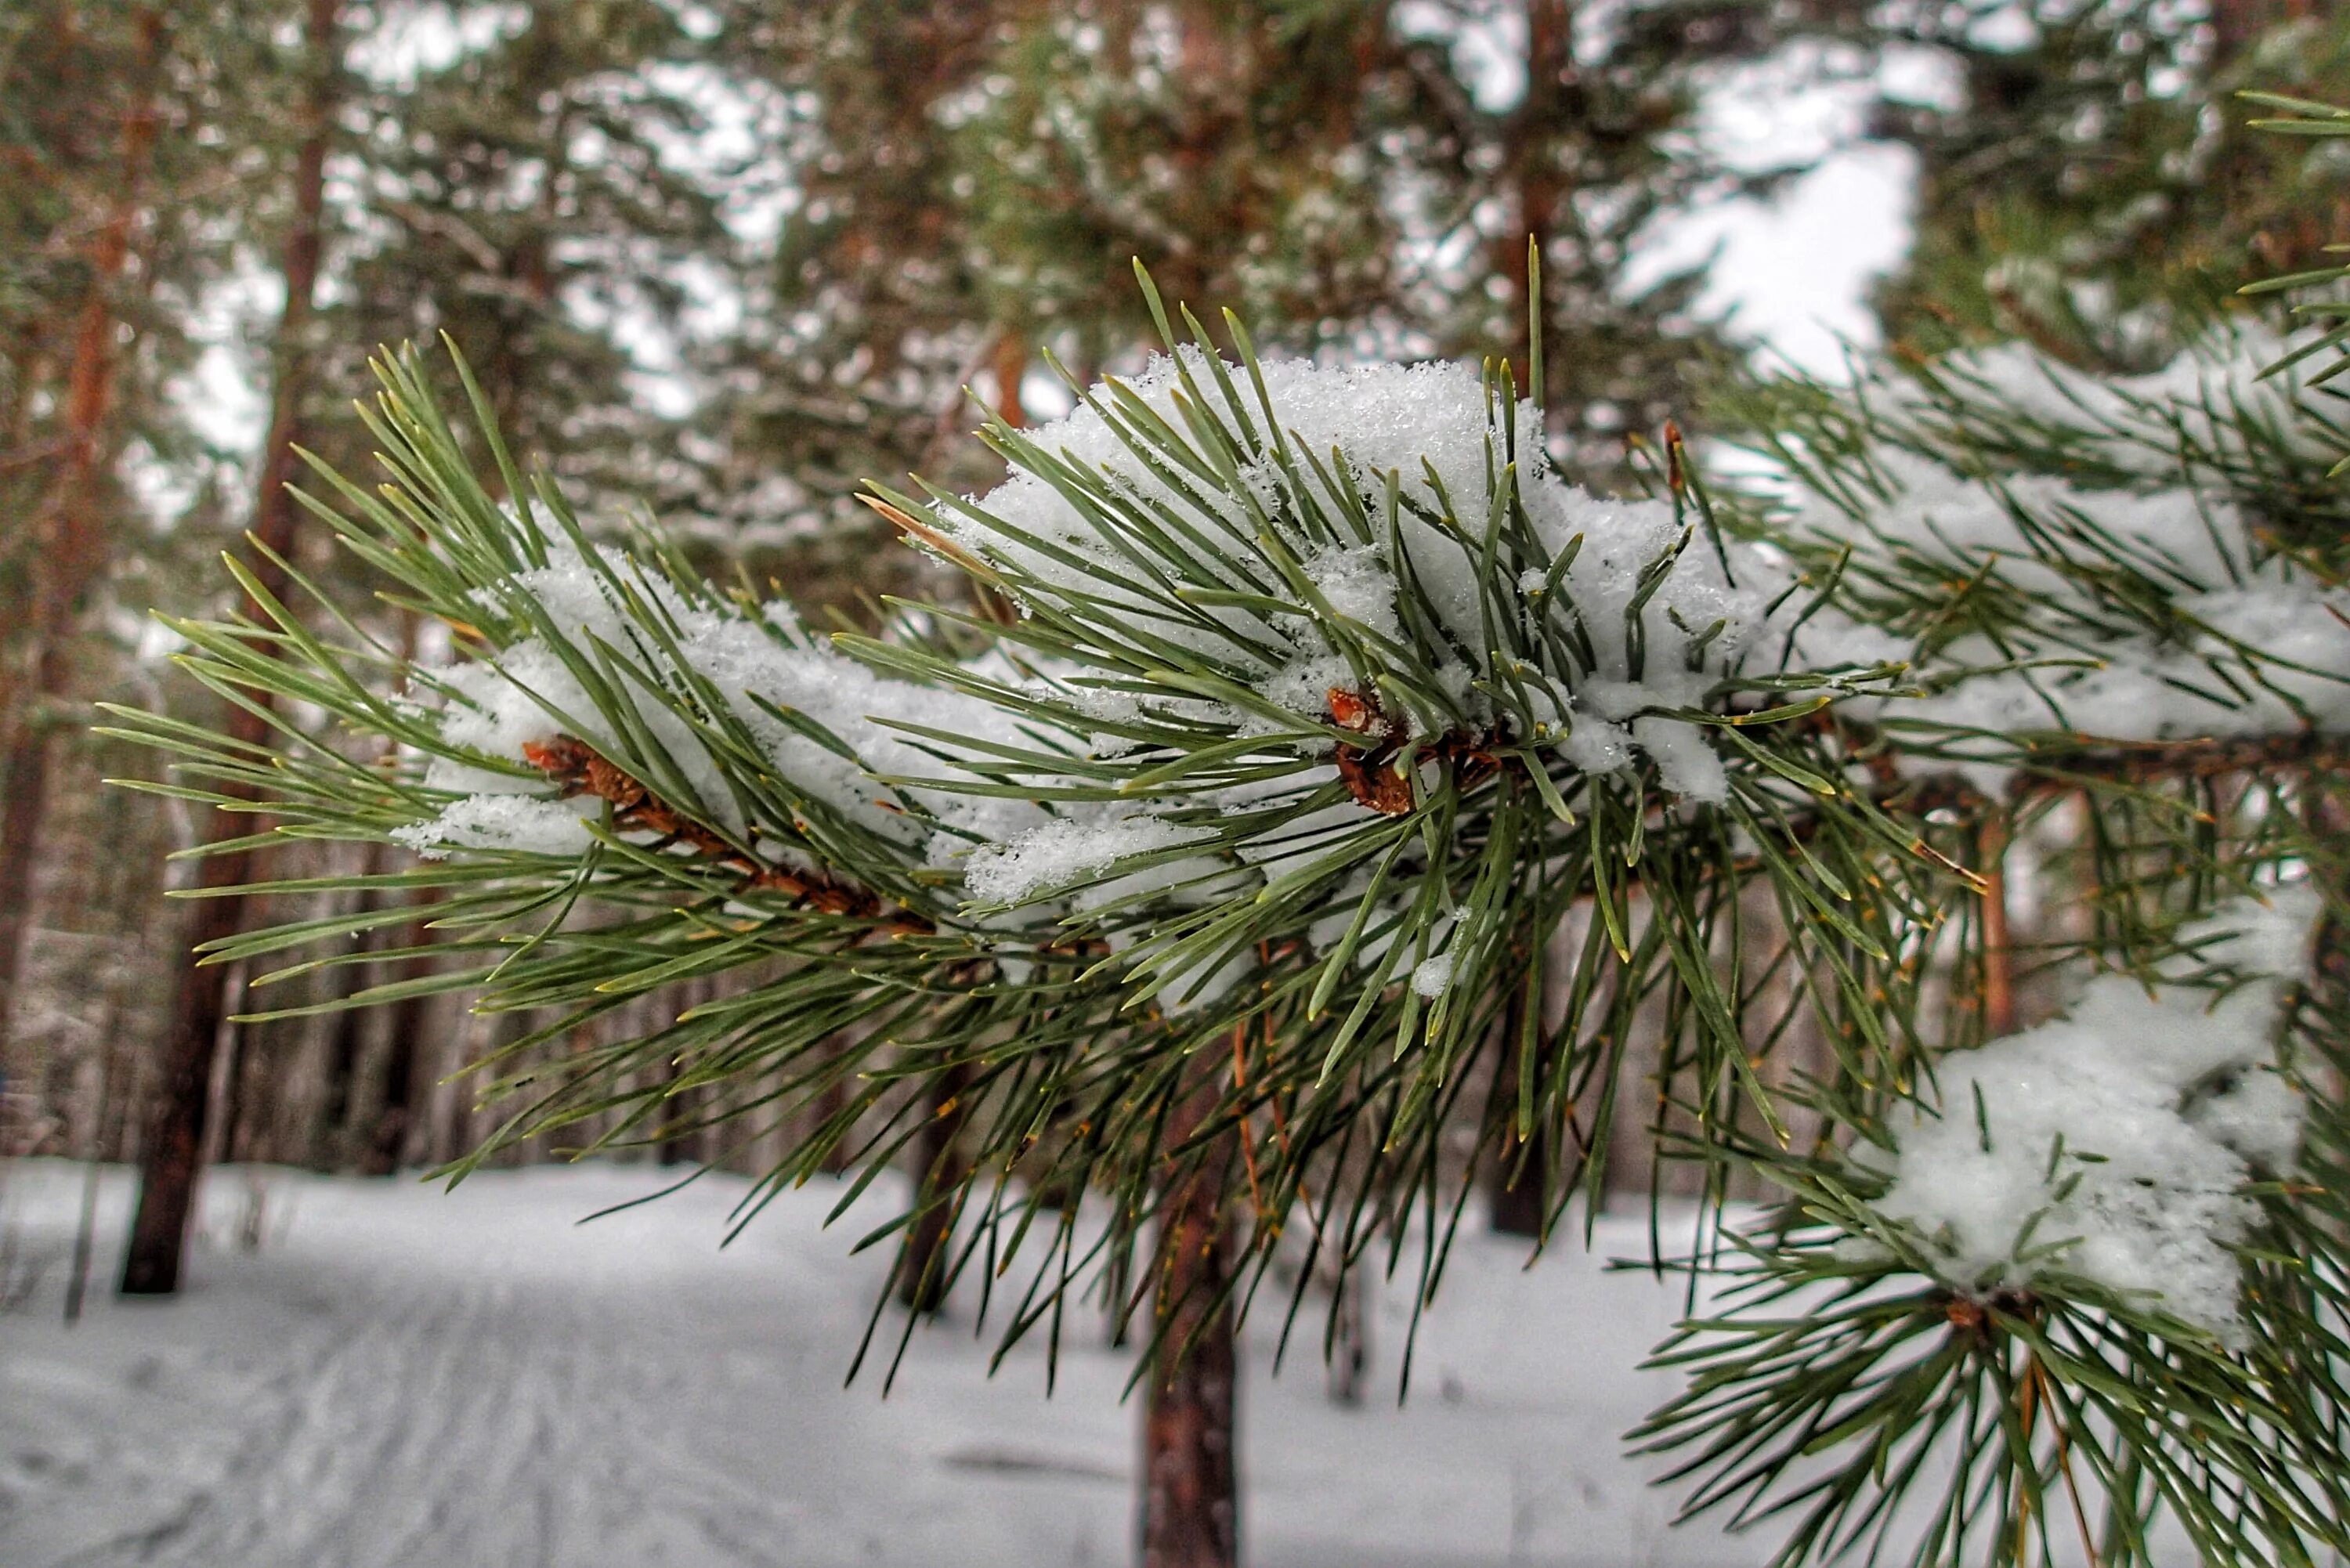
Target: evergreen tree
x,y
172,1149
1204,883
113,205
972,181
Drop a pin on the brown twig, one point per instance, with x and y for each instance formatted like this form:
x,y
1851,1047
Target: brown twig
x,y
1999,976
2157,762
578,768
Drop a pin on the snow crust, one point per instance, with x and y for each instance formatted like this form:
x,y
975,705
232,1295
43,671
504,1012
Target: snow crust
x,y
528,823
1064,850
2115,1143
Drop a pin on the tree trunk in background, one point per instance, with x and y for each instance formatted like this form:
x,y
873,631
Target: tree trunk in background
x,y
388,1138
330,1144
176,1128
1191,1497
1515,1196
676,1146
1516,1184
1010,363
941,1169
1534,158
68,548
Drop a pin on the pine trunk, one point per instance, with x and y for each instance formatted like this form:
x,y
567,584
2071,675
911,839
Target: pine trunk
x,y
1190,1500
1517,1191
1534,163
1515,1195
176,1125
68,550
388,1143
940,1169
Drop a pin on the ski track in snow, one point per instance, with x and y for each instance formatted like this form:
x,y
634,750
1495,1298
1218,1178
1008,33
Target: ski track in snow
x,y
404,1378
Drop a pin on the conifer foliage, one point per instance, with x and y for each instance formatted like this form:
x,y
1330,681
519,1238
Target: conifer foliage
x,y
1213,871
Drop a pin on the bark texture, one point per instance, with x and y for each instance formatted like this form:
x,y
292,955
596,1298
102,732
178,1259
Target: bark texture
x,y
69,547
1534,154
1190,1500
175,1132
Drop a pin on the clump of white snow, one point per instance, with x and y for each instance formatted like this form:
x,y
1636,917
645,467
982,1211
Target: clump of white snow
x,y
2115,1143
1432,976
1062,851
530,824
532,692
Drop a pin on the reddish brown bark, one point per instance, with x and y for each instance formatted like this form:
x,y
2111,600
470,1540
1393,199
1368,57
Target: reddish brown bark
x,y
1191,1498
1999,972
1534,157
175,1132
1010,363
68,546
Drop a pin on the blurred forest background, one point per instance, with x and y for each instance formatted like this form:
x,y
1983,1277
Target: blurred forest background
x,y
716,262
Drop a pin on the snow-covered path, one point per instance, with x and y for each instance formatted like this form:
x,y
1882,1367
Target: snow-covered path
x,y
401,1379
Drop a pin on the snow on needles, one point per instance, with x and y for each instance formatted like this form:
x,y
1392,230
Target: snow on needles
x,y
534,690
1609,683
1063,851
2115,1143
1359,559
2133,605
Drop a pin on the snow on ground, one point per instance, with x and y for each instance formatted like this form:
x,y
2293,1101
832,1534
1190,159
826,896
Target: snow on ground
x,y
399,1376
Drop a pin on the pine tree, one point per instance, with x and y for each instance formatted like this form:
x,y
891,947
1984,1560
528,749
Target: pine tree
x,y
63,554
172,1149
972,182
1199,885
119,219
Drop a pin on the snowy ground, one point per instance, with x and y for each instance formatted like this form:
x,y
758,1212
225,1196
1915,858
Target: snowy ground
x,y
402,1377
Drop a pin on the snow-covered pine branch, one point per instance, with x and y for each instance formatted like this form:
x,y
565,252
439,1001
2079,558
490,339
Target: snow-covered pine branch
x,y
2079,574
2105,1221
2090,1260
1280,622
1227,868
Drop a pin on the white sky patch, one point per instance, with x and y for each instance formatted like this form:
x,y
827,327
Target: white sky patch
x,y
1487,45
413,39
222,396
743,123
1792,275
